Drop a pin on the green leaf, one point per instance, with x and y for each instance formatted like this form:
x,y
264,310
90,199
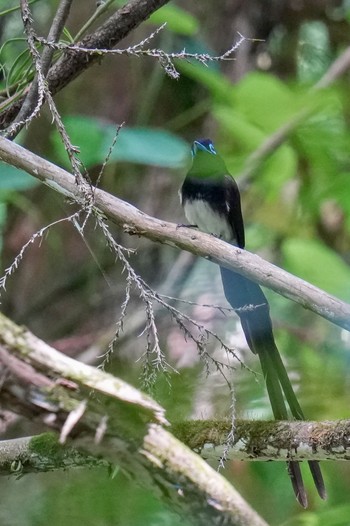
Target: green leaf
x,y
12,178
177,19
313,261
246,134
265,101
87,134
150,146
281,166
339,189
137,145
337,515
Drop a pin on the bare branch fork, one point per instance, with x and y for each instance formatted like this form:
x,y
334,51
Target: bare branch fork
x,y
135,222
138,50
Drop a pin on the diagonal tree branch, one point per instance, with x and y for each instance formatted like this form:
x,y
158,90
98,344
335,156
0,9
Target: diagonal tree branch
x,y
106,418
138,223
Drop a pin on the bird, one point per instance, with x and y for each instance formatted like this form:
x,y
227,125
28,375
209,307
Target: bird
x,y
211,201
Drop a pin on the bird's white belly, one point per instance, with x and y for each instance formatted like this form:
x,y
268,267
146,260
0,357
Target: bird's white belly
x,y
199,213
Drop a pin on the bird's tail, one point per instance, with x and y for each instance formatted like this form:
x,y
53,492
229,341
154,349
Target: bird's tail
x,y
251,305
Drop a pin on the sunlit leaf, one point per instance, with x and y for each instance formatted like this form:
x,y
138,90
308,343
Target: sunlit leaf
x,y
265,100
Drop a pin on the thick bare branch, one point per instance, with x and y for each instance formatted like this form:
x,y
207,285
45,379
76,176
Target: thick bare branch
x,y
137,223
40,355
119,425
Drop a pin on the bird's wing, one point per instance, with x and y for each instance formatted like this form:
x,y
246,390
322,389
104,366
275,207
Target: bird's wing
x,y
233,204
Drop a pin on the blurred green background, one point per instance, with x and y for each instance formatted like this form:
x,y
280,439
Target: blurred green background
x,y
296,206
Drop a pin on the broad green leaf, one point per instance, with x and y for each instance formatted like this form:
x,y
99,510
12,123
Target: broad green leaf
x,y
177,19
150,146
247,137
87,134
277,169
12,178
246,134
339,189
324,142
311,260
265,100
137,145
324,139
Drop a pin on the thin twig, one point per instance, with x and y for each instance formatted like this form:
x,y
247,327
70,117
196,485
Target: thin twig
x,y
109,153
135,222
38,235
166,60
154,358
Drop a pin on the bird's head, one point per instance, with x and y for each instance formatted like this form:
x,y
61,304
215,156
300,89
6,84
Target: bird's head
x,y
204,145
205,160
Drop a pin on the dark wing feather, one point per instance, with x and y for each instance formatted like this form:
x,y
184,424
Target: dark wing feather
x,y
233,204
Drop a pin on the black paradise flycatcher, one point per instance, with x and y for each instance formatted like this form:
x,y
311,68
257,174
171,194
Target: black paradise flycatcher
x,y
211,201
